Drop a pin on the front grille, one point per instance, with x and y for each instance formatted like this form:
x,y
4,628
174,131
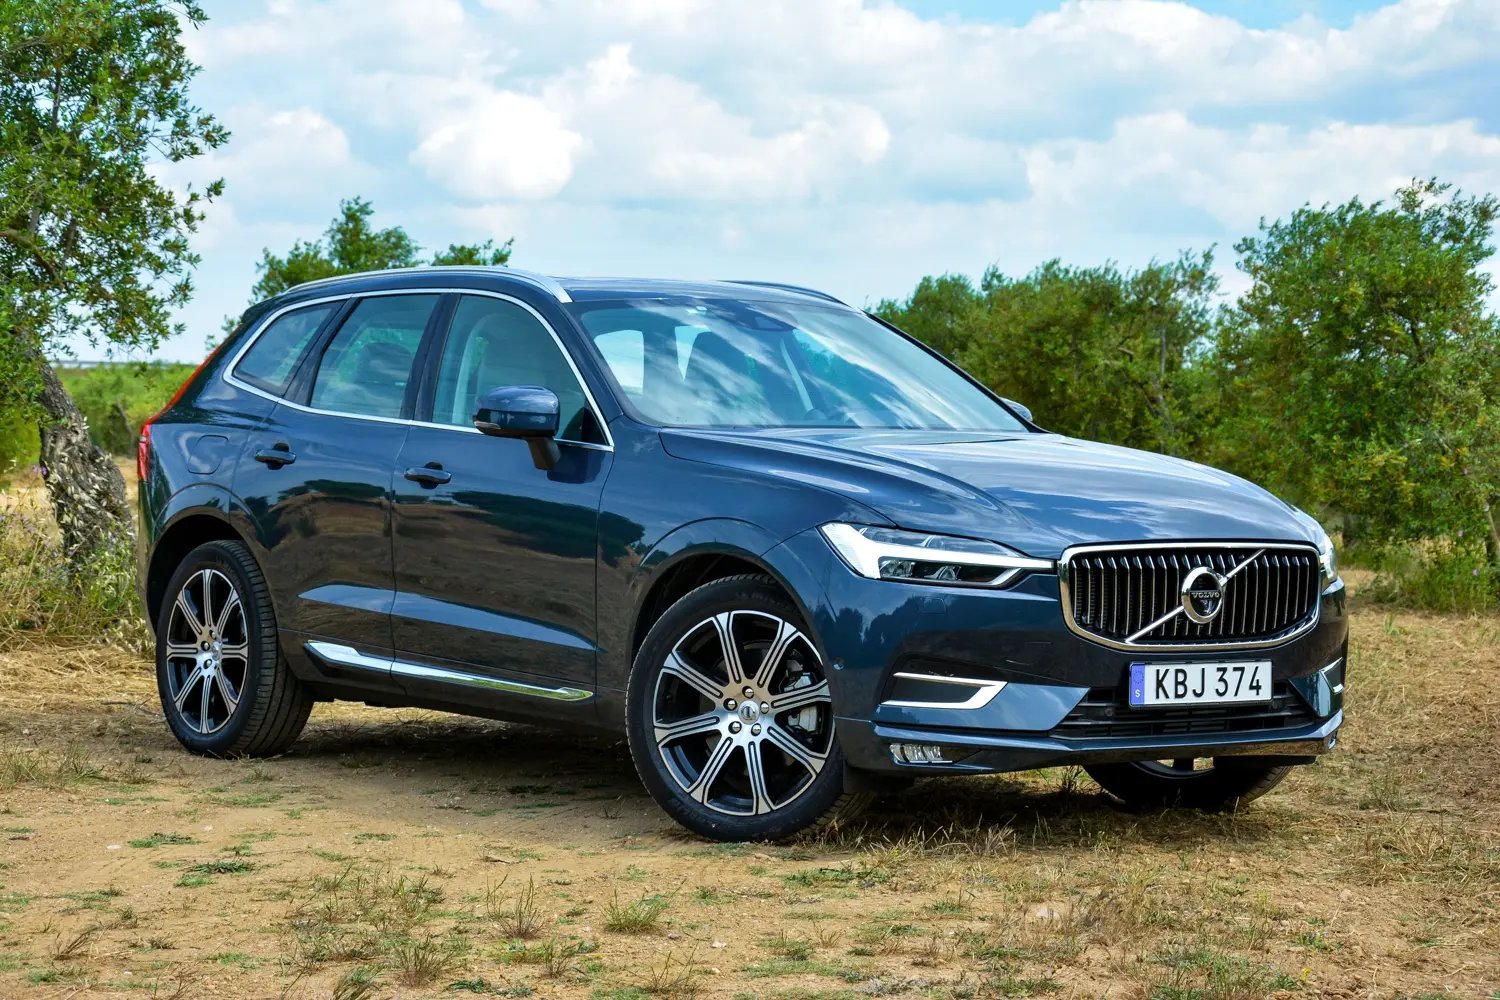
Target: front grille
x,y
1116,594
1104,714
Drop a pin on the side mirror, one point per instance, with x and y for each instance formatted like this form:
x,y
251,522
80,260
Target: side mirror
x,y
527,412
1020,408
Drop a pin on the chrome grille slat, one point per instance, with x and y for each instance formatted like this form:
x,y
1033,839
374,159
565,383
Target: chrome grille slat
x,y
1088,589
1112,593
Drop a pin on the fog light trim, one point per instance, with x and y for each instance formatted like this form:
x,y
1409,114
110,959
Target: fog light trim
x,y
984,692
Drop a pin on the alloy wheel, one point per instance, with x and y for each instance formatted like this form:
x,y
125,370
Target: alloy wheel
x,y
741,713
207,651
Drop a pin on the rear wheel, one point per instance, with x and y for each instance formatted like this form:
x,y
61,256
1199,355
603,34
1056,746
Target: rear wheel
x,y
1193,783
730,716
224,688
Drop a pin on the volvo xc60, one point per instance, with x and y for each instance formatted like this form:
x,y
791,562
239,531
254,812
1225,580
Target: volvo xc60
x,y
794,555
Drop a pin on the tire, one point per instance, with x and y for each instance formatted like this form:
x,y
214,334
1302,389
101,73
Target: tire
x,y
225,690
1162,785
769,766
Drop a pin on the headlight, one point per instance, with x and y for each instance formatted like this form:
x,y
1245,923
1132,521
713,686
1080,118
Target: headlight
x,y
1328,561
1327,558
917,557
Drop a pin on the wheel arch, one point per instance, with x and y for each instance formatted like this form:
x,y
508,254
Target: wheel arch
x,y
176,540
705,551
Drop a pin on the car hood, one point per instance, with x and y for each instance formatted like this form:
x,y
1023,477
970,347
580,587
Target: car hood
x,y
1039,493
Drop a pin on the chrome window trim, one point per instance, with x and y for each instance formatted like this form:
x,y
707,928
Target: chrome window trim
x,y
348,656
544,282
1064,565
267,320
984,692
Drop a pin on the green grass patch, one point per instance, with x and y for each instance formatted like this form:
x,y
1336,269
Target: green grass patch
x,y
641,916
161,840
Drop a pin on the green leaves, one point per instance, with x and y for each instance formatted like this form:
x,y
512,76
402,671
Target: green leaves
x,y
1096,352
352,244
1365,345
91,91
1359,374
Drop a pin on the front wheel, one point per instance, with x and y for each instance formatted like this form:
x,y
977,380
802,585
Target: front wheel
x,y
730,717
1200,783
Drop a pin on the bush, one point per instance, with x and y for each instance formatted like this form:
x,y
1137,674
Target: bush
x,y
114,399
19,446
38,599
117,399
1451,574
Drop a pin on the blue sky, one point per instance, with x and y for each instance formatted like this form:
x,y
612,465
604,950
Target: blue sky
x,y
855,146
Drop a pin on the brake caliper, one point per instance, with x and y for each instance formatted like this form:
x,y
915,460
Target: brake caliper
x,y
807,719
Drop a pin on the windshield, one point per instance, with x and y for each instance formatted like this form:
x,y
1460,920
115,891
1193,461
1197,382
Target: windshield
x,y
690,362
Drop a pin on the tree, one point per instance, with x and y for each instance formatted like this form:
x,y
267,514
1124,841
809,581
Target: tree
x,y
351,244
944,312
1362,368
1095,352
91,243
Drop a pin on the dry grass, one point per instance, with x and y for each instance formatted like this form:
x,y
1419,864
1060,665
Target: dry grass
x,y
411,854
42,604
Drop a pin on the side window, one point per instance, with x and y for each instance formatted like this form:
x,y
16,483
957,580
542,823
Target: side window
x,y
271,359
494,343
367,364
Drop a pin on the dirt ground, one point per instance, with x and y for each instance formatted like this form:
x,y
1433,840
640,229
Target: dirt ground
x,y
409,854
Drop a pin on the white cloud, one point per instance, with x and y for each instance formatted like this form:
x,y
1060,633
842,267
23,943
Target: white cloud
x,y
312,37
274,158
1158,163
841,142
503,145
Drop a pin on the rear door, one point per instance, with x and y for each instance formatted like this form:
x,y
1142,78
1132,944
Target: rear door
x,y
317,475
495,558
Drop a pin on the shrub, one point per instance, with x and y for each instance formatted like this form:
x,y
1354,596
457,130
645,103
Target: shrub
x,y
1449,574
38,597
117,399
19,446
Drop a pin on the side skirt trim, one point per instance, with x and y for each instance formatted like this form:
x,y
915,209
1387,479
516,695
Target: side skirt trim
x,y
353,659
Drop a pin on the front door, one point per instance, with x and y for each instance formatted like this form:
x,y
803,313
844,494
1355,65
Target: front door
x,y
495,558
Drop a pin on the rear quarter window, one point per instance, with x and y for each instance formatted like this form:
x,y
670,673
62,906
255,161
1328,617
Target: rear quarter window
x,y
272,358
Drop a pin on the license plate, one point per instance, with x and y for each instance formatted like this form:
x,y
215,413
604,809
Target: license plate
x,y
1199,683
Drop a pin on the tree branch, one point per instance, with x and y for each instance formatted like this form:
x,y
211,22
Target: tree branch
x,y
26,242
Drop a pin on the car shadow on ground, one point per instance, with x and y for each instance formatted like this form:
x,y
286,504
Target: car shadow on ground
x,y
528,769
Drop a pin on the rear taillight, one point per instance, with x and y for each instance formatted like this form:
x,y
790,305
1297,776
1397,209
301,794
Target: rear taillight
x,y
143,451
143,443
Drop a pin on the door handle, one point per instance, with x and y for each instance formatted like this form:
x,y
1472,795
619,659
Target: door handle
x,y
431,474
277,455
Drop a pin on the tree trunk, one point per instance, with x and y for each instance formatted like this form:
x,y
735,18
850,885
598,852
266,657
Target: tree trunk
x,y
84,485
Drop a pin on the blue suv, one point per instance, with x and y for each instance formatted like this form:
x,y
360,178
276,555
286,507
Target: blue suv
x,y
793,554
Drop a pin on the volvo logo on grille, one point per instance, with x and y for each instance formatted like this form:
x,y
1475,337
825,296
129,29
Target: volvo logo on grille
x,y
1203,594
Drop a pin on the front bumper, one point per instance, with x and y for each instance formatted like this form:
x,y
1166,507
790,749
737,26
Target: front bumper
x,y
868,747
1061,698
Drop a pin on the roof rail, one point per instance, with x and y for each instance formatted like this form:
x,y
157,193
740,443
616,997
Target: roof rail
x,y
788,288
546,283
